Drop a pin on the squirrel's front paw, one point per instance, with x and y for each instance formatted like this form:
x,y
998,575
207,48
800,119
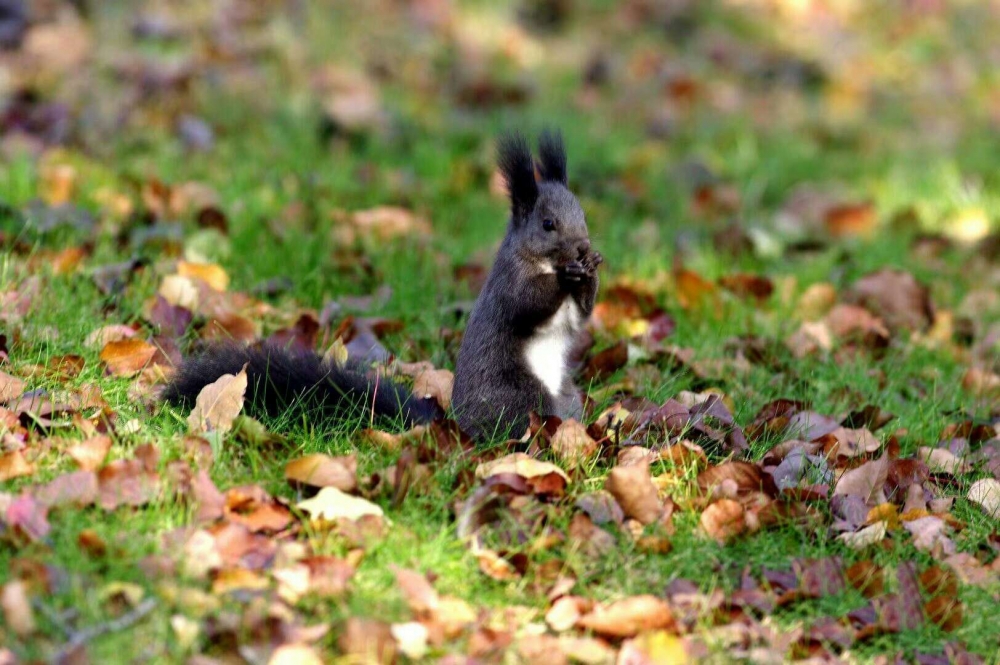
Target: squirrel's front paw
x,y
591,261
573,271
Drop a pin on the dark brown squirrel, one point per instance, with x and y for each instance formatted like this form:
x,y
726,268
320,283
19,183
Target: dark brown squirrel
x,y
514,357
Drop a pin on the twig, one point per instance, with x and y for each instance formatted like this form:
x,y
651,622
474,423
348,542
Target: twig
x,y
127,620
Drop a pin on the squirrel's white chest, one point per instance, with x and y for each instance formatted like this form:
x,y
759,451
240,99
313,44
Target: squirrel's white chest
x,y
547,352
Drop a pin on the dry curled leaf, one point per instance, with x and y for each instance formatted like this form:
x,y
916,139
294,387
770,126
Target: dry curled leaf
x,y
218,404
11,387
90,454
865,481
332,504
635,492
986,493
436,384
319,470
723,520
14,465
628,617
571,443
127,357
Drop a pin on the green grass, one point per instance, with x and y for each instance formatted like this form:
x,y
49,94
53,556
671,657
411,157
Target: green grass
x,y
270,155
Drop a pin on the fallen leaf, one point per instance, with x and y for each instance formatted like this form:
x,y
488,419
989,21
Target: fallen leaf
x,y
436,384
126,483
90,454
930,535
865,481
941,460
127,357
333,504
11,387
723,520
571,443
945,612
16,605
635,492
367,641
657,646
986,493
894,296
210,273
218,404
628,617
867,577
866,537
319,470
14,465
420,595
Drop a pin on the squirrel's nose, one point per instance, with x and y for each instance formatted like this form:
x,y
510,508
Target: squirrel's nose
x,y
583,248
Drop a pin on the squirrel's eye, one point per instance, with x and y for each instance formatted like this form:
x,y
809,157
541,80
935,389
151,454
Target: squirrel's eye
x,y
548,225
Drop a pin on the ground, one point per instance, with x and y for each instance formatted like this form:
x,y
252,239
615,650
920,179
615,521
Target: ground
x,y
795,201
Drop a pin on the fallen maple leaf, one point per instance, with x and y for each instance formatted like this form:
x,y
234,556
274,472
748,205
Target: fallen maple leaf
x,y
218,404
319,470
629,617
127,357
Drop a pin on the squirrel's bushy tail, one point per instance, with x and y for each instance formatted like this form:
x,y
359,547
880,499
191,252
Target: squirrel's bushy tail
x,y
280,378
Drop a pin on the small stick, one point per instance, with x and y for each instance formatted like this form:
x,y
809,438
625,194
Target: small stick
x,y
81,637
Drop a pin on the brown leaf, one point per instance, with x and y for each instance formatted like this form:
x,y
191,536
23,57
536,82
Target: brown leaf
x,y
635,492
11,387
746,477
218,404
748,286
941,460
420,595
945,612
930,535
79,488
605,363
865,481
319,470
127,357
126,483
90,454
629,617
850,220
867,577
723,520
572,445
14,465
591,540
435,383
16,605
692,288
894,296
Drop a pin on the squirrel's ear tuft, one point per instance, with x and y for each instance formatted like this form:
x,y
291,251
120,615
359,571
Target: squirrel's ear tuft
x,y
518,169
552,153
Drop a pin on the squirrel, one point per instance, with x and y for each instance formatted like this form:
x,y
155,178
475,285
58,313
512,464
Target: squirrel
x,y
514,356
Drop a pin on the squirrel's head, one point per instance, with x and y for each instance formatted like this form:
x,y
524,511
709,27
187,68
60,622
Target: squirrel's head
x,y
547,225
